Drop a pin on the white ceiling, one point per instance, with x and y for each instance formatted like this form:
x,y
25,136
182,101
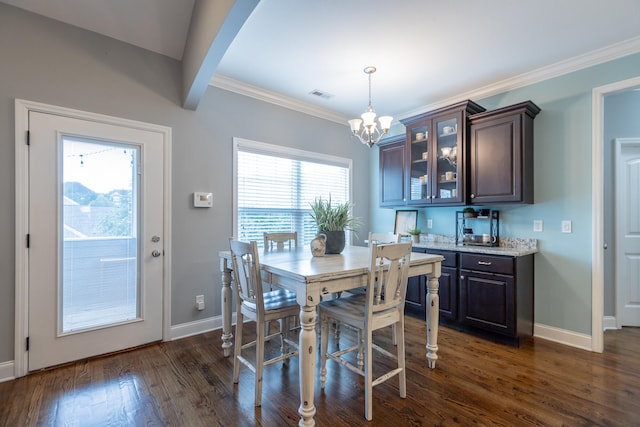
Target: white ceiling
x,y
426,51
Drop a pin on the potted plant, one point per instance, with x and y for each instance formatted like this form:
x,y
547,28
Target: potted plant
x,y
469,212
333,221
415,234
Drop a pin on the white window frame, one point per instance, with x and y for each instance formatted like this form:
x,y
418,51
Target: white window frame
x,y
240,144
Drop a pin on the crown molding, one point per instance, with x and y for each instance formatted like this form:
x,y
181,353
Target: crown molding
x,y
232,85
576,63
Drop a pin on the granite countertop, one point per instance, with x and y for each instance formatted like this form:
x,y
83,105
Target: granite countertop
x,y
508,246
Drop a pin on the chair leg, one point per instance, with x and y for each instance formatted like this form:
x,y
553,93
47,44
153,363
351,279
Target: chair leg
x,y
324,344
237,348
259,363
284,335
336,325
368,375
267,328
360,357
402,376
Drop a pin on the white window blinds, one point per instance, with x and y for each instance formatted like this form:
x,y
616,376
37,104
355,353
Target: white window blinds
x,y
275,187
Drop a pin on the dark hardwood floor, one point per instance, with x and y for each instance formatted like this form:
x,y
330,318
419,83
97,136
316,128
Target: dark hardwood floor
x,y
476,382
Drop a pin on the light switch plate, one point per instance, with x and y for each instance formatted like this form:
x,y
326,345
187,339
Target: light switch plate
x,y
566,226
202,200
429,223
538,225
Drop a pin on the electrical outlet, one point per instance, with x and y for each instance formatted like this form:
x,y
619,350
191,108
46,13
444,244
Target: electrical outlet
x,y
200,302
566,226
429,223
538,225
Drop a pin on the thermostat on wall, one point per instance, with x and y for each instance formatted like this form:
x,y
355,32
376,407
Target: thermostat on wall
x,y
202,200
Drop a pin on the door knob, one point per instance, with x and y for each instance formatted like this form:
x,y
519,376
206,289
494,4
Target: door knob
x,y
156,253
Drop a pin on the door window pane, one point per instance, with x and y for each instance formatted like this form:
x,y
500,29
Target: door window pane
x,y
99,229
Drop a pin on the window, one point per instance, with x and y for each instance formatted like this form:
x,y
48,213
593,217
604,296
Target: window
x,y
274,187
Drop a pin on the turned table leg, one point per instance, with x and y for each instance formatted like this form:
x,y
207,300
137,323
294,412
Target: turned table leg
x,y
227,336
433,308
307,352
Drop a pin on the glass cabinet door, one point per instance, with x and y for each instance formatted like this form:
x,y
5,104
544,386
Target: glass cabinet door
x,y
418,134
447,145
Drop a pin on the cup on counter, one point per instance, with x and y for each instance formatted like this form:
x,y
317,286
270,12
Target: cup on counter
x,y
448,176
487,238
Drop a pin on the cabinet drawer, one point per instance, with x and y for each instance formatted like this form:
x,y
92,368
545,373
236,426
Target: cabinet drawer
x,y
450,258
488,263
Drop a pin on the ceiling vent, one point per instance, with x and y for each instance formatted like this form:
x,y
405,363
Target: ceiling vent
x,y
321,94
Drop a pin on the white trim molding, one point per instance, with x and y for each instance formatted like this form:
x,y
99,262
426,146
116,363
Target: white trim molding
x,y
609,323
597,207
236,86
599,56
22,109
7,371
196,327
562,336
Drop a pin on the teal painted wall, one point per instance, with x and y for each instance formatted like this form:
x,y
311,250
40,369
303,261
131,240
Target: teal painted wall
x,y
562,180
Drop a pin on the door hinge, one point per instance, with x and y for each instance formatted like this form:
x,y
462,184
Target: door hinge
x,y
27,343
28,137
28,240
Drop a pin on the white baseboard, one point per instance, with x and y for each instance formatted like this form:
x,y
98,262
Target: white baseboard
x,y
7,371
183,330
609,322
562,336
188,329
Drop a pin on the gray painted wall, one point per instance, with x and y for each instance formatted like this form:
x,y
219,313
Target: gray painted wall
x,y
50,62
53,63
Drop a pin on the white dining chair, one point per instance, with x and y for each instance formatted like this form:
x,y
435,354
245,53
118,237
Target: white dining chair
x,y
261,307
381,238
277,240
381,306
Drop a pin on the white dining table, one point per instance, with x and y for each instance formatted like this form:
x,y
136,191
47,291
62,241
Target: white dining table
x,y
310,278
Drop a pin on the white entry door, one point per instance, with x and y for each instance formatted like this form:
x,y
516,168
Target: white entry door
x,y
627,195
95,268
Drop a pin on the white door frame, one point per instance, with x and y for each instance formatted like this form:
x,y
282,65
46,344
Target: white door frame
x,y
597,207
22,109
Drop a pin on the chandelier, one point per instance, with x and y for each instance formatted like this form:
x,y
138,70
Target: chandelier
x,y
370,133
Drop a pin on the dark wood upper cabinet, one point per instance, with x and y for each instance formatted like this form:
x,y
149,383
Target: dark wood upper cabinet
x,y
392,170
436,147
501,155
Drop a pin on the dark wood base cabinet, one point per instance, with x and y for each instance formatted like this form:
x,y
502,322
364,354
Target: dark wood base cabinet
x,y
496,294
487,295
447,290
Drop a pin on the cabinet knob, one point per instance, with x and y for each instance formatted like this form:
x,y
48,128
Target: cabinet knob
x,y
461,277
473,195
